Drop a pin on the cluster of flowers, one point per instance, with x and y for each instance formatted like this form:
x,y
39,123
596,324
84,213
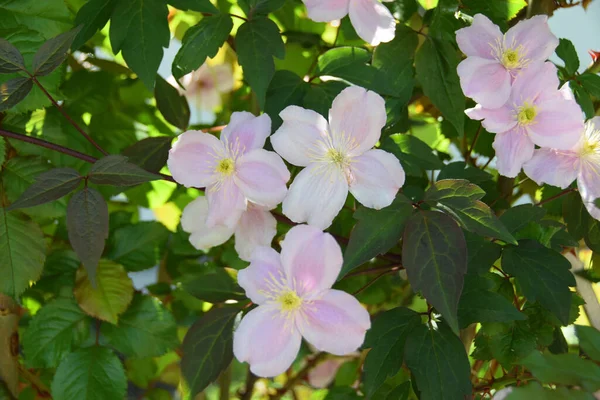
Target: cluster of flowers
x,y
243,182
519,100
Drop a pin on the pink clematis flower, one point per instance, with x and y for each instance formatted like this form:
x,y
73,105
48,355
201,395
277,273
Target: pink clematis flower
x,y
256,227
338,157
205,86
234,170
295,300
535,114
494,60
582,162
372,21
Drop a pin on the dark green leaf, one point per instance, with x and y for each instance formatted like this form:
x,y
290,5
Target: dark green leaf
x,y
208,348
139,28
286,89
592,235
257,42
566,51
436,63
150,154
387,338
518,217
320,97
533,390
507,343
53,53
213,284
146,329
93,15
543,274
496,10
584,99
11,59
438,362
260,7
87,222
434,253
13,91
2,150
448,190
53,332
342,61
565,369
171,104
136,247
342,393
48,186
591,83
92,373
575,215
376,232
194,5
116,170
413,153
200,41
482,253
589,341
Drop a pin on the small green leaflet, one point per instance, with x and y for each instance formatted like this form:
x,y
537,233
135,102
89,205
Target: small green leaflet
x,y
48,186
53,52
11,60
13,91
565,369
118,171
171,104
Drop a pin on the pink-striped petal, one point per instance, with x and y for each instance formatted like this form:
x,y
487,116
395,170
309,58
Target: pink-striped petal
x,y
226,203
496,121
478,39
588,184
485,80
192,159
262,177
193,220
513,149
558,124
246,132
554,167
256,227
326,10
534,35
535,84
263,275
372,21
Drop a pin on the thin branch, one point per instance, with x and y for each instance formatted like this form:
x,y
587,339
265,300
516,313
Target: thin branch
x,y
250,382
300,375
556,196
387,268
41,388
468,155
381,275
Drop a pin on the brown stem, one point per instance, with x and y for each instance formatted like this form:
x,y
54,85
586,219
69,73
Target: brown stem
x,y
468,155
35,381
375,280
556,196
296,378
250,381
387,268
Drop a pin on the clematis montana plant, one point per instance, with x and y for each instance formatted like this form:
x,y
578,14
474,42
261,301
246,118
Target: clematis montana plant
x,y
205,86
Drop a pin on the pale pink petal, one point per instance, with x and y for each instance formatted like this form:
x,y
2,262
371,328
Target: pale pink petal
x,y
335,322
264,271
326,10
588,183
498,120
513,149
376,178
255,228
301,137
535,36
316,195
554,167
311,259
192,158
226,203
324,373
479,38
193,220
223,77
267,341
372,21
485,81
534,84
357,115
246,132
262,177
558,124
205,99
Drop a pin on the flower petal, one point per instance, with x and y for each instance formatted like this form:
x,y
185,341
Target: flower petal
x,y
299,139
497,120
311,259
588,184
372,21
255,228
246,132
554,167
513,149
376,178
485,81
267,341
359,115
226,203
535,36
262,177
326,10
323,374
264,271
316,195
206,99
477,40
223,77
336,323
192,158
193,220
534,84
558,124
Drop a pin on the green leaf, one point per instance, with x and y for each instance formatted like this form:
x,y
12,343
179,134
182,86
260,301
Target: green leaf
x,y
257,42
213,284
436,63
22,253
592,235
543,275
117,171
508,343
496,10
575,215
92,373
11,59
482,253
54,331
48,186
194,5
137,247
87,224
584,99
208,348
49,17
93,16
12,92
518,217
53,53
565,369
146,329
434,253
111,295
533,390
286,89
591,83
376,232
387,338
172,105
2,151
260,7
589,341
201,41
413,153
139,28
320,97
150,154
438,363
566,51
449,190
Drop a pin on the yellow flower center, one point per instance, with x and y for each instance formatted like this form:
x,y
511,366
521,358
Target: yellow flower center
x,y
289,301
511,58
337,157
526,114
225,167
590,148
